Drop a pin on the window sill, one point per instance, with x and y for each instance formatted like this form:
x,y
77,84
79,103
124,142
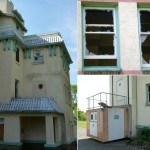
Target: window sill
x,y
37,63
102,68
146,68
18,63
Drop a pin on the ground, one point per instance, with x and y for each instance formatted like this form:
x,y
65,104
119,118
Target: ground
x,y
85,143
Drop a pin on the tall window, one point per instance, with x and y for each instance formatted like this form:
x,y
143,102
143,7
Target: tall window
x,y
16,88
1,129
148,94
145,36
99,37
17,55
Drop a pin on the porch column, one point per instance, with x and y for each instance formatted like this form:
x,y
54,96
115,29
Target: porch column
x,y
49,130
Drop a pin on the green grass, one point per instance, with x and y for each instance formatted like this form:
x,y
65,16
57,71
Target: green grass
x,y
82,124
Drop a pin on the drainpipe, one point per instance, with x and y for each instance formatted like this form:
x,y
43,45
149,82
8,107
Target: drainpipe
x,y
128,91
112,92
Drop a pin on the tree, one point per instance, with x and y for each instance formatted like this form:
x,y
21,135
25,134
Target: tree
x,y
74,99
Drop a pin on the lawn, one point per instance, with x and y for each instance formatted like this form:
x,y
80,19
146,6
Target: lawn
x,y
82,124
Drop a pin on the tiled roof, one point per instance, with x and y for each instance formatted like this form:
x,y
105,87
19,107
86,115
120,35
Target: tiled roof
x,y
31,105
40,40
7,33
33,41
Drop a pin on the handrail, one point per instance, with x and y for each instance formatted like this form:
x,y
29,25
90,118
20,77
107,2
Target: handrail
x,y
92,100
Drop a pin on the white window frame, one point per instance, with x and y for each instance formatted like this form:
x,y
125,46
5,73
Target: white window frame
x,y
142,33
94,114
112,33
42,54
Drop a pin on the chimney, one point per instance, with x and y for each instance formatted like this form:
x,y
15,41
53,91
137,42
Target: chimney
x,y
6,6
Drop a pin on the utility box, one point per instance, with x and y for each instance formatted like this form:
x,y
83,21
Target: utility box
x,y
108,124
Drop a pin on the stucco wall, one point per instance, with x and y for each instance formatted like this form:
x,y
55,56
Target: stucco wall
x,y
143,111
79,52
129,38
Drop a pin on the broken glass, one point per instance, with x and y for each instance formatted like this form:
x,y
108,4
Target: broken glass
x,y
145,20
145,49
99,29
94,16
99,44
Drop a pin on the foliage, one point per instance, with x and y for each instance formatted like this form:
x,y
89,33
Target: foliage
x,y
142,141
82,124
81,115
145,134
74,99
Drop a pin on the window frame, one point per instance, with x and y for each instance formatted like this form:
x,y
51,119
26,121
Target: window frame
x,y
102,68
41,55
18,55
140,35
147,94
17,88
111,33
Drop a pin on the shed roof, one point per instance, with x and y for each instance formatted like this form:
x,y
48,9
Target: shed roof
x,y
37,40
31,105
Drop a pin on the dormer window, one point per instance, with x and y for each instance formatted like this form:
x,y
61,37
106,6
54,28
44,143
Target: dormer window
x,y
38,56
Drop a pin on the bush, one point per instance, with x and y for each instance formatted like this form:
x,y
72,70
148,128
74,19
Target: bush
x,y
145,134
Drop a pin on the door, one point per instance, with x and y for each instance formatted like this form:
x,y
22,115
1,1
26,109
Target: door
x,y
1,132
93,124
115,123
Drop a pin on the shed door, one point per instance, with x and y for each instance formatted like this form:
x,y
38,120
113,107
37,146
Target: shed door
x,y
93,124
1,132
115,123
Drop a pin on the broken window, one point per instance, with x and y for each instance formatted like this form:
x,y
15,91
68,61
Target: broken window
x,y
100,38
145,36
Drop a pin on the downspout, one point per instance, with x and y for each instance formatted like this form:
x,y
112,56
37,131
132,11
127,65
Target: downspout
x,y
112,92
128,91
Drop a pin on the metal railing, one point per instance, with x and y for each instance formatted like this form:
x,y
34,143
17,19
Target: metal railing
x,y
107,98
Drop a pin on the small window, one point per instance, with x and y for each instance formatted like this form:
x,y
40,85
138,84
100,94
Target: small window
x,y
145,36
16,88
148,94
40,86
17,55
38,56
17,27
1,129
100,37
92,117
95,116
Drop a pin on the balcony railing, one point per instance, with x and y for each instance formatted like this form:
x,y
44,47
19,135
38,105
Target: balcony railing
x,y
107,98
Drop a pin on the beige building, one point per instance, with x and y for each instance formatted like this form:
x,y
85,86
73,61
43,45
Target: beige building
x,y
35,99
136,89
122,112
113,36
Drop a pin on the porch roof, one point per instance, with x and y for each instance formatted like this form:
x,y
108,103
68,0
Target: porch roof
x,y
31,105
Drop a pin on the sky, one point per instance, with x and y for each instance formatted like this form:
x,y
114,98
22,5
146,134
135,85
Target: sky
x,y
89,85
46,16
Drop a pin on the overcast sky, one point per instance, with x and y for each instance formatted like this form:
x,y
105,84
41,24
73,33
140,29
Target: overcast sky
x,y
89,85
46,16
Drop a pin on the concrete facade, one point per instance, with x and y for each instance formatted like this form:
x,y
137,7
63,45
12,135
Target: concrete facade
x,y
49,78
135,89
129,53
